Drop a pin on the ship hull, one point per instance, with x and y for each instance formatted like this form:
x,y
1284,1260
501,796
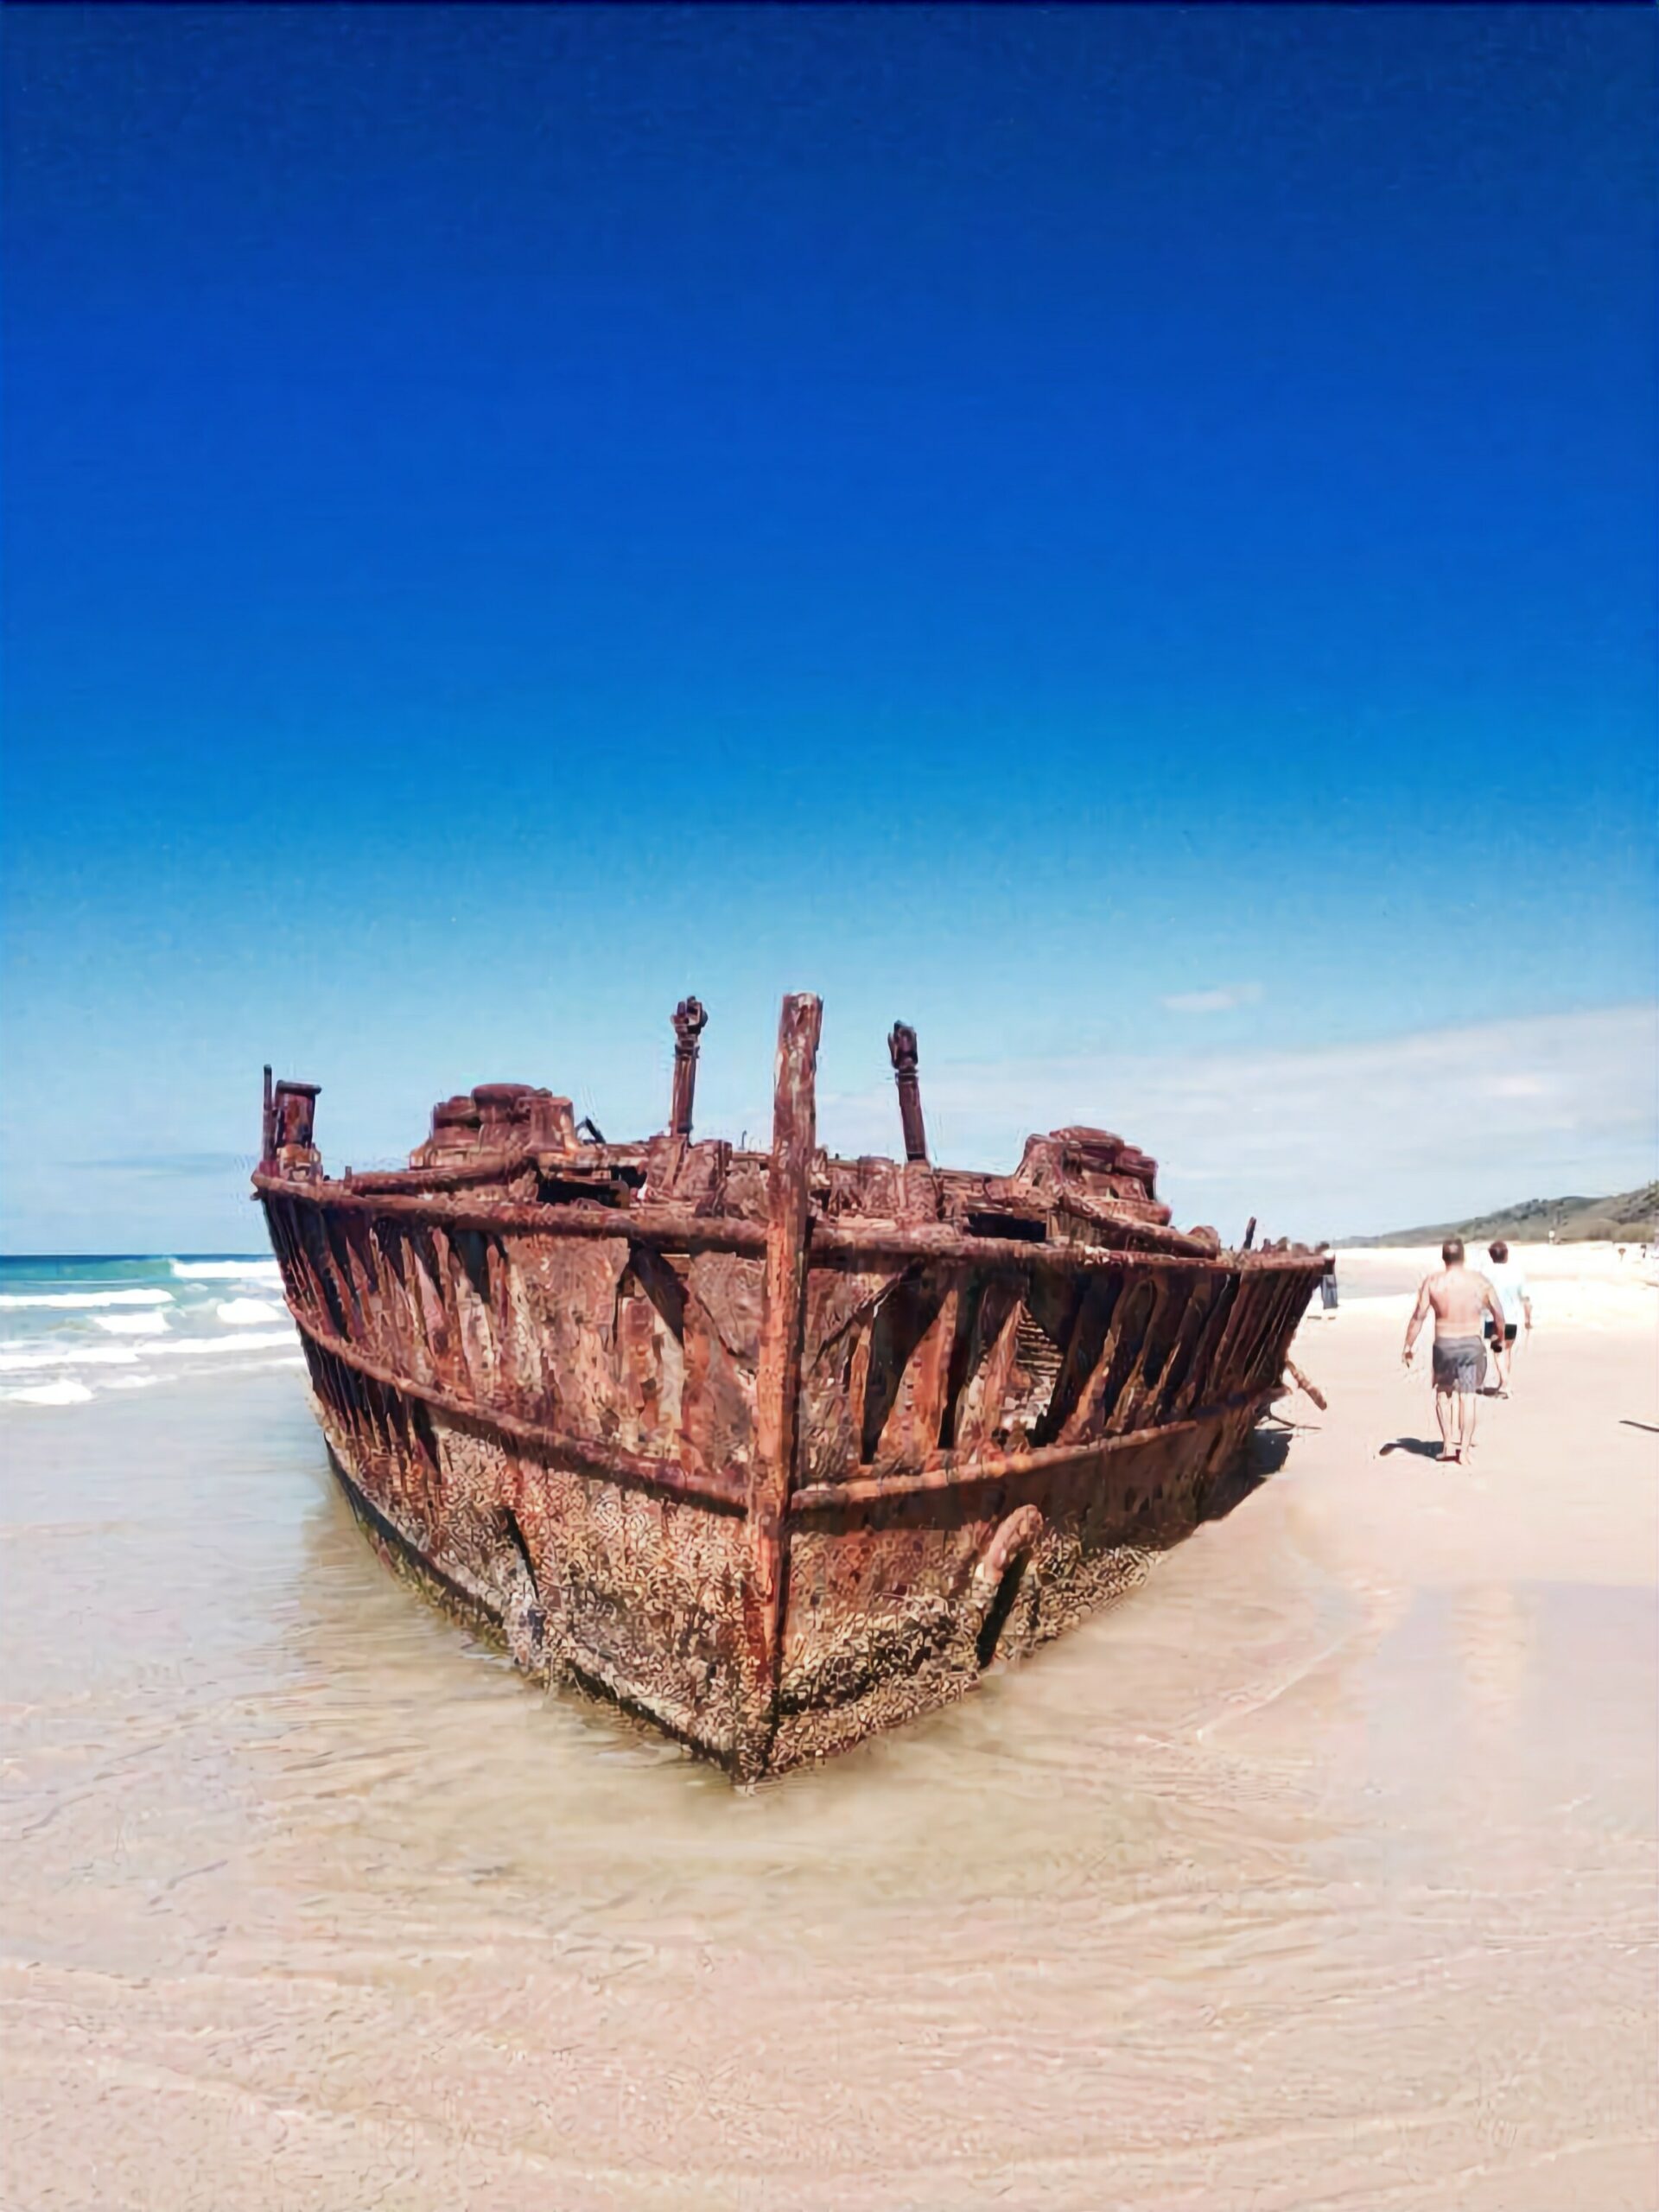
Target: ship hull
x,y
774,1451
901,1582
946,1619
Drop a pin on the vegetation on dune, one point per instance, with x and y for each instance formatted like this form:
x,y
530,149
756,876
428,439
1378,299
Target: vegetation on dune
x,y
1629,1216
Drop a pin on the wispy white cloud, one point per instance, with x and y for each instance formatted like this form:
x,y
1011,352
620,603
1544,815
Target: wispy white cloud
x,y
1222,1000
175,1163
1341,1140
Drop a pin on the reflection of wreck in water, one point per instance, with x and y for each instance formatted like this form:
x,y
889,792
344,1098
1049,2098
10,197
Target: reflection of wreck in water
x,y
777,1449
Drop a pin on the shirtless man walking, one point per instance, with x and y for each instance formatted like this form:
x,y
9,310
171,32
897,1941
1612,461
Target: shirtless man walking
x,y
1458,1300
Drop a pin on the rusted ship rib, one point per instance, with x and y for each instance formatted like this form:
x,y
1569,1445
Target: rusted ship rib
x,y
774,1448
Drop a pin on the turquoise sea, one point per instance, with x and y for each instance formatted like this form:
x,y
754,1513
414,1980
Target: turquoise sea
x,y
73,1330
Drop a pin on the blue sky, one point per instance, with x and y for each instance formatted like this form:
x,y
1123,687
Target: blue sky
x,y
1122,538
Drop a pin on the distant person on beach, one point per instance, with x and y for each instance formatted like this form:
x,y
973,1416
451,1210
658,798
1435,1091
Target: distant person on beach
x,y
1328,1283
1458,1300
1510,1285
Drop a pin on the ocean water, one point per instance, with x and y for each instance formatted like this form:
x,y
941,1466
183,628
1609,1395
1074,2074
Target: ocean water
x,y
75,1330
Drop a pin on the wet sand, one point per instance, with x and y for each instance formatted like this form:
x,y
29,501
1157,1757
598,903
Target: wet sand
x,y
1320,1873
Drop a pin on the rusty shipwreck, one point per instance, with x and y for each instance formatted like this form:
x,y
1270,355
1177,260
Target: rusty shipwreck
x,y
773,1448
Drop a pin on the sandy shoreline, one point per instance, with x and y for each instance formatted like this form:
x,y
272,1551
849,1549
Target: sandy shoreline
x,y
1321,1874
1603,1285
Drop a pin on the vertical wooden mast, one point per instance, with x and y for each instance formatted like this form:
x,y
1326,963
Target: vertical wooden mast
x,y
778,1377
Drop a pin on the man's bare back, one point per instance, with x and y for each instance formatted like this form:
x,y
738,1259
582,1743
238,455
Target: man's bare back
x,y
1457,1298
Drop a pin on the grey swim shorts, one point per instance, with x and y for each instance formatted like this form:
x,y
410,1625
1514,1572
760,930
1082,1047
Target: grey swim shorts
x,y
1459,1362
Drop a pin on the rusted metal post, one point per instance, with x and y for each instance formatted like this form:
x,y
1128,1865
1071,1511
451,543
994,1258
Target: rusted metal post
x,y
268,1136
1302,1383
1249,1235
690,1020
901,1047
293,1115
778,1372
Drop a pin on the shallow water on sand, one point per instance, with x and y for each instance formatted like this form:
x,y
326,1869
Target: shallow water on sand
x,y
1295,1880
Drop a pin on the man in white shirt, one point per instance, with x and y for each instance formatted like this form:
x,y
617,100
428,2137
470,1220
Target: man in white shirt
x,y
1510,1285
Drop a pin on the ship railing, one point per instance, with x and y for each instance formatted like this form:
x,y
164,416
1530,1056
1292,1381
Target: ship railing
x,y
668,1226
948,1258
792,1244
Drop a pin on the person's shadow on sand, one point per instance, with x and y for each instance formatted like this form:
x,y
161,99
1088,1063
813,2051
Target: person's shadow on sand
x,y
1423,1446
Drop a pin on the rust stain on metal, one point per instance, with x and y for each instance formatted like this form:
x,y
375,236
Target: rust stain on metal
x,y
773,1448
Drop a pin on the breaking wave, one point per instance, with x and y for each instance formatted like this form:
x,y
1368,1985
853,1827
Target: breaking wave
x,y
76,1329
257,1340
51,1394
70,1390
18,1361
226,1271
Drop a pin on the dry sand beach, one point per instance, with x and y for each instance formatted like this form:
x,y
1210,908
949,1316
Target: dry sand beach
x,y
1321,1872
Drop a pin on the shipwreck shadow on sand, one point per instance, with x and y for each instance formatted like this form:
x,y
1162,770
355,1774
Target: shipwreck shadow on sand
x,y
1265,1456
1423,1447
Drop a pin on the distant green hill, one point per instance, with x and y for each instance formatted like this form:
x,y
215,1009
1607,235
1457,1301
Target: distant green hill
x,y
1631,1216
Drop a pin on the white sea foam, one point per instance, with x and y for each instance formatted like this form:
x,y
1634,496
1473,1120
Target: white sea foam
x,y
76,1340
19,1361
252,1366
20,1358
50,1393
226,1270
256,1341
